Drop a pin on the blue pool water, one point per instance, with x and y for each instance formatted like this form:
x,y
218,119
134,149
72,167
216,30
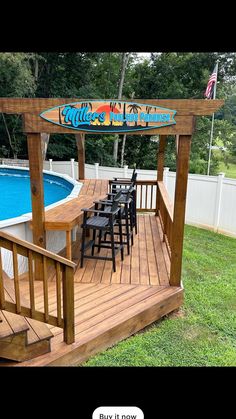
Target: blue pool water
x,y
15,198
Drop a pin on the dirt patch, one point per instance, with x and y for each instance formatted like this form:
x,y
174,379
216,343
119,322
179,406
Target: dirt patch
x,y
178,313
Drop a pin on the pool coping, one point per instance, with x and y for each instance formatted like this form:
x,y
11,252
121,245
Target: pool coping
x,y
28,216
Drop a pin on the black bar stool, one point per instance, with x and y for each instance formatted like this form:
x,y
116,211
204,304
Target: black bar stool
x,y
123,184
102,221
126,214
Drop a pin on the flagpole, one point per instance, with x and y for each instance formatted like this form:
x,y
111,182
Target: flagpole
x,y
212,123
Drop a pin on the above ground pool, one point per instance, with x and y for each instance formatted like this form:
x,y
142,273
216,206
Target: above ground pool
x,y
15,196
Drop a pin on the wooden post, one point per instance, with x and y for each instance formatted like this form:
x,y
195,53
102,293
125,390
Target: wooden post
x,y
176,144
160,165
36,183
37,197
68,304
184,145
68,245
81,154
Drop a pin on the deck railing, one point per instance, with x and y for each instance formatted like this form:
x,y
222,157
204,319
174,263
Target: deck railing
x,y
64,285
164,210
146,195
152,196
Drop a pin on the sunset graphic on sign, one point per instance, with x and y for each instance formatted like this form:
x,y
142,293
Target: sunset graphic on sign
x,y
107,109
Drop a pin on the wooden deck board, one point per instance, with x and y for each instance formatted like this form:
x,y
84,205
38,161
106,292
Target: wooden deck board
x,y
101,325
158,246
147,264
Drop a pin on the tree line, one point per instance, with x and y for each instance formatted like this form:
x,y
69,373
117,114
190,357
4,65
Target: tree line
x,y
121,76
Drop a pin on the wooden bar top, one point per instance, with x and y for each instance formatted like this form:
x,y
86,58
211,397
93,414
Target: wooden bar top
x,y
67,215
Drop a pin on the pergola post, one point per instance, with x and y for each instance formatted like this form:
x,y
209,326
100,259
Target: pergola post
x,y
184,145
160,165
80,138
36,185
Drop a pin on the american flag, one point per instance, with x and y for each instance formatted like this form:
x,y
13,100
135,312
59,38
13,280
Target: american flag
x,y
210,85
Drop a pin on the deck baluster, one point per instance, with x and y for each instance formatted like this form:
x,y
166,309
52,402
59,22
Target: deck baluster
x,y
45,289
2,293
16,278
146,198
151,196
58,284
141,197
68,304
31,282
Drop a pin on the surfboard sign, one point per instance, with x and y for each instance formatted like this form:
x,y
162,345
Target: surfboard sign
x,y
109,116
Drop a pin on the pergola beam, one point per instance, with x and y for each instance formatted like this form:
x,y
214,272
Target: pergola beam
x,y
182,106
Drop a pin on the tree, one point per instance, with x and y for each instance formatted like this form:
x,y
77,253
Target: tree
x,y
16,79
97,75
60,74
134,108
124,62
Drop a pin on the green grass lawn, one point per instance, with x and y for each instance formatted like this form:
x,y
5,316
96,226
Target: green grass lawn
x,y
230,171
203,331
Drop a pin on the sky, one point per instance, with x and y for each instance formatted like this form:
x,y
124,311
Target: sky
x,y
143,55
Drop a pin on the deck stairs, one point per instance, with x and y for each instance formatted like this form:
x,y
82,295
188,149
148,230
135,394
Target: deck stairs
x,y
21,338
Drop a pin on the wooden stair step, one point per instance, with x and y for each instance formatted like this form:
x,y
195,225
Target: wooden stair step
x,y
14,323
40,329
5,329
21,338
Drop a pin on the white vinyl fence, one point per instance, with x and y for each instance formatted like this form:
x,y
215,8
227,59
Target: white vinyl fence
x,y
211,200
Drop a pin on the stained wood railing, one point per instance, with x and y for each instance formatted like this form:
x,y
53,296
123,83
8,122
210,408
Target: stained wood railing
x,y
146,195
165,212
152,196
64,287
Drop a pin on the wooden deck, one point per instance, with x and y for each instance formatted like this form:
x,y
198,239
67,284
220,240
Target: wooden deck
x,y
111,306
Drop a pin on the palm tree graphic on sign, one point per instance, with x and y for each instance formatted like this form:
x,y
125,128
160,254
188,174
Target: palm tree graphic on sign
x,y
112,107
86,104
60,121
148,109
134,108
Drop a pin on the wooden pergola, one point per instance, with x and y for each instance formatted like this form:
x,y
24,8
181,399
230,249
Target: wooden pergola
x,y
33,126
172,217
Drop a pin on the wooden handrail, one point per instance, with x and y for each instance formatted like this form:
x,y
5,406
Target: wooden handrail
x,y
64,271
137,182
146,182
165,212
166,199
23,244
